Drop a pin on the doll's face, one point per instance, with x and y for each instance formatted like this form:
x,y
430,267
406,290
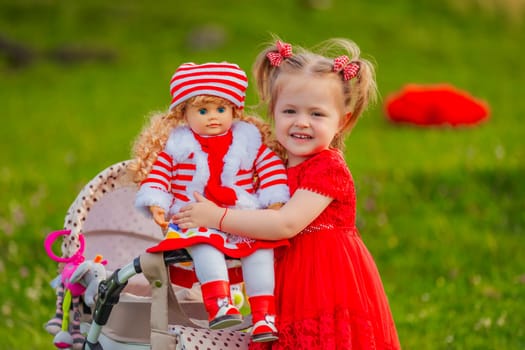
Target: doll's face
x,y
209,119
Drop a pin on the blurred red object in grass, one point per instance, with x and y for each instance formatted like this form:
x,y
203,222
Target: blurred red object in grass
x,y
435,105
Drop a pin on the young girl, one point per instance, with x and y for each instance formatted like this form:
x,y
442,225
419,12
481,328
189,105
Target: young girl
x,y
205,144
329,291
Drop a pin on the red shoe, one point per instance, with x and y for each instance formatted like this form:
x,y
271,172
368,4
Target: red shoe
x,y
226,316
217,301
264,330
263,316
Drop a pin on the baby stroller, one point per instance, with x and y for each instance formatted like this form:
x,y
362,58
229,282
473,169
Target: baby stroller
x,y
148,300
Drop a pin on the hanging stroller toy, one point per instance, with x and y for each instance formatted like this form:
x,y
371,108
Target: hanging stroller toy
x,y
79,278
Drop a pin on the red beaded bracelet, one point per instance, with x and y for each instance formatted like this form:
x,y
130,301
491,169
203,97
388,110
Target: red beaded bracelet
x,y
222,218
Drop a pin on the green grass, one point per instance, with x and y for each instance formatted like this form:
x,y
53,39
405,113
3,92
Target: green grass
x,y
440,209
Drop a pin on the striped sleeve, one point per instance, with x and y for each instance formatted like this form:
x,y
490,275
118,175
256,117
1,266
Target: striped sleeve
x,y
160,173
273,183
155,188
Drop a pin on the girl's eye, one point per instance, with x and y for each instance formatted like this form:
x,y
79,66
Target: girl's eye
x,y
317,114
221,109
203,111
289,111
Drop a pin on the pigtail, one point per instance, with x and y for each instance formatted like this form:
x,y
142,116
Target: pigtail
x,y
359,85
263,74
363,90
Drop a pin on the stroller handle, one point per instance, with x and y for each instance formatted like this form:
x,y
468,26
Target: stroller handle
x,y
108,296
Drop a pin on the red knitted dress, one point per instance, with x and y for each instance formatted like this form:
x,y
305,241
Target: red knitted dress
x,y
328,289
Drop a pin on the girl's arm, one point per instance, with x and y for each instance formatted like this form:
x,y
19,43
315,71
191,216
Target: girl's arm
x,y
265,224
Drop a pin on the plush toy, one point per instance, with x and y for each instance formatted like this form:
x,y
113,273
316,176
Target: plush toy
x,y
77,278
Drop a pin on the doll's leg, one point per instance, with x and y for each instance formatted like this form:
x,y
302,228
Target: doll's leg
x,y
209,262
212,272
54,325
258,274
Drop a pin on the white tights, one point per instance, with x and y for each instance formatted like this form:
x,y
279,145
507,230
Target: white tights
x,y
257,268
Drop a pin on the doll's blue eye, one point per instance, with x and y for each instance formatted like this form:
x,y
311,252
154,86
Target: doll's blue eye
x,y
203,111
221,109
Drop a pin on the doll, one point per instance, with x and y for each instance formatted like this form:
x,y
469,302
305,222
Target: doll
x,y
206,144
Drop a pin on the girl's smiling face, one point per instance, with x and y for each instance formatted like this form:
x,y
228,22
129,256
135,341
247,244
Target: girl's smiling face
x,y
308,114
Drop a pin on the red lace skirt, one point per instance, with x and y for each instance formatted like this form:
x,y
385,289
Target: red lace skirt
x,y
330,295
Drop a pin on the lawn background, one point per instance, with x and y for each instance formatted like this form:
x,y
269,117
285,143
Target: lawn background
x,y
440,209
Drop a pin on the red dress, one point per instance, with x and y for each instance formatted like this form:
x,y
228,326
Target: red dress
x,y
328,289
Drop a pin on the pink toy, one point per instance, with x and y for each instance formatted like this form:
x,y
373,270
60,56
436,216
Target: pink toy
x,y
78,278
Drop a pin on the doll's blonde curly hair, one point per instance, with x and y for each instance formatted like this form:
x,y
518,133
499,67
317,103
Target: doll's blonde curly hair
x,y
153,137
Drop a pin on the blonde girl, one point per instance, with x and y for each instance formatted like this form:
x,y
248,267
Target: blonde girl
x,y
329,292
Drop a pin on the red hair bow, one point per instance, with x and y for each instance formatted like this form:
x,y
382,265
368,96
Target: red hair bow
x,y
350,69
284,50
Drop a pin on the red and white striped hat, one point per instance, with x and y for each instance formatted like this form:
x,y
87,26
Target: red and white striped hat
x,y
223,79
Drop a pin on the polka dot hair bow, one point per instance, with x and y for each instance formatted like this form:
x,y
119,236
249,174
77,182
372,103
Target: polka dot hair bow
x,y
284,50
349,69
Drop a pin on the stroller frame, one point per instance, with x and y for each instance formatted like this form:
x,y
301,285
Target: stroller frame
x,y
110,289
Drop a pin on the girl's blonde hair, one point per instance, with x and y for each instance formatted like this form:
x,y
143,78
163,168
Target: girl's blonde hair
x,y
153,137
358,92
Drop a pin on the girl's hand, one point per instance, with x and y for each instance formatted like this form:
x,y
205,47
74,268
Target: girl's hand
x,y
159,216
202,213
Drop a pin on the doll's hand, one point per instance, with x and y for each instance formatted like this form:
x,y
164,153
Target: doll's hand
x,y
159,217
276,205
202,213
